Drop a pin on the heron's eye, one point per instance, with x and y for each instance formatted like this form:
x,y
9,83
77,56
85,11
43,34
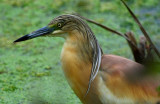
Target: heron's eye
x,y
59,25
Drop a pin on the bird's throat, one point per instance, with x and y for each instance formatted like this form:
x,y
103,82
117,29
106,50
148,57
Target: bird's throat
x,y
76,64
78,45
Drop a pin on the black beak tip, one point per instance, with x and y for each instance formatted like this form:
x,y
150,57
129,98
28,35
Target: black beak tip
x,y
23,38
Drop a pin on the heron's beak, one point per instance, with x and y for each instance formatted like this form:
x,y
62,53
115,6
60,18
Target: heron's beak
x,y
41,32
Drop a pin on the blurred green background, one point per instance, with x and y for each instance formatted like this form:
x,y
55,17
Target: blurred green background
x,y
30,72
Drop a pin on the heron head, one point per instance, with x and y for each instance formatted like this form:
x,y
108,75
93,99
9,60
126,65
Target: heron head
x,y
58,27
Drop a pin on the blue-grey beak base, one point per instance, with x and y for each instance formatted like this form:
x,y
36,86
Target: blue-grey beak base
x,y
43,31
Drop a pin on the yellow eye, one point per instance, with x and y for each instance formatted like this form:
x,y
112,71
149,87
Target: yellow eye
x,y
59,24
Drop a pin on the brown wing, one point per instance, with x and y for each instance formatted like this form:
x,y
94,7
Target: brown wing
x,y
118,65
125,78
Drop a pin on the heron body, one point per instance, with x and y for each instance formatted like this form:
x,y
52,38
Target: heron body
x,y
108,79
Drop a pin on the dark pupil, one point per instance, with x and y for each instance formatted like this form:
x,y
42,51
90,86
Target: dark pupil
x,y
59,25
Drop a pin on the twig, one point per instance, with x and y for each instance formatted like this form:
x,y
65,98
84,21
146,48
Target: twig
x,y
105,27
108,29
142,29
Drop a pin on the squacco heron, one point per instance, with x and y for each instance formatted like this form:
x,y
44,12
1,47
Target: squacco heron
x,y
97,78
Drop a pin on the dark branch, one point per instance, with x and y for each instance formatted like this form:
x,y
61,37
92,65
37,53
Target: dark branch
x,y
142,29
109,29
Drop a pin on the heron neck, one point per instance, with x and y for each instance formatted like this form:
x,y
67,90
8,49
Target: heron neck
x,y
76,63
75,42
